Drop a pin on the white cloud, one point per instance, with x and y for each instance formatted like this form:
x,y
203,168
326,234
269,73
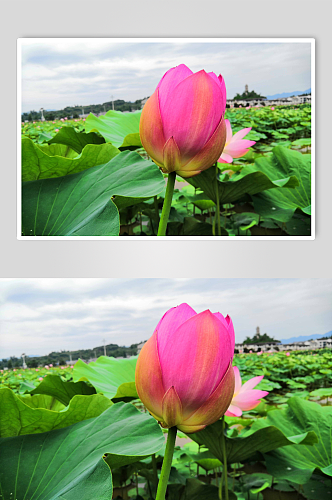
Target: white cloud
x,y
41,315
57,73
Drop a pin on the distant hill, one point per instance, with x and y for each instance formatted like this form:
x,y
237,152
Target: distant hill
x,y
288,94
308,337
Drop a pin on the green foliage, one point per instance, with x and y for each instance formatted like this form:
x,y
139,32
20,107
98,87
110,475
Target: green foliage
x,y
75,140
80,204
242,448
75,462
34,414
265,193
122,130
64,391
301,416
115,378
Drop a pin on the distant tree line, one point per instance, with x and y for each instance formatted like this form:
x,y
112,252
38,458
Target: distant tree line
x,y
75,111
248,95
259,338
60,358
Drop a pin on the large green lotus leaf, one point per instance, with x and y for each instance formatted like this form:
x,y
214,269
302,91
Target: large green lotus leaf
x,y
121,129
114,377
57,150
20,415
37,164
53,385
300,461
247,182
80,204
75,140
68,464
242,447
42,401
281,204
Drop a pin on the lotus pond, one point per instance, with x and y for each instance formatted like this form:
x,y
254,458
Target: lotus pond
x,y
93,178
81,432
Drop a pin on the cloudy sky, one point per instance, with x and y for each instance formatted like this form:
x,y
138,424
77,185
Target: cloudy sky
x,y
42,315
64,72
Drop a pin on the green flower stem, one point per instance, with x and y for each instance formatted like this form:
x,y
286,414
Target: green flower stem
x,y
223,444
167,204
167,462
217,201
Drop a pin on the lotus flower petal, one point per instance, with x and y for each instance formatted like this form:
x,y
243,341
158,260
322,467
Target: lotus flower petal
x,y
240,134
148,377
172,408
189,429
209,153
225,158
170,80
229,325
245,397
196,359
151,129
250,384
233,411
228,131
192,113
170,322
238,149
237,387
172,156
214,407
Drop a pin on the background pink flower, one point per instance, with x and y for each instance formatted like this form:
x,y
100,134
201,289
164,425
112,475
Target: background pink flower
x,y
272,109
235,146
245,397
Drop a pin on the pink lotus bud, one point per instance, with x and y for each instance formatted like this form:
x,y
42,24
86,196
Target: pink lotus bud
x,y
56,130
181,125
250,351
62,367
34,122
14,370
244,398
235,146
272,109
46,366
40,378
184,371
37,370
287,354
72,366
51,366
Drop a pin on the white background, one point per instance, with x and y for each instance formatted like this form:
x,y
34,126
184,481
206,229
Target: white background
x,y
176,18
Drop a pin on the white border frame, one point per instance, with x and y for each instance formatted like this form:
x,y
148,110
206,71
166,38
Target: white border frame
x,y
20,42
